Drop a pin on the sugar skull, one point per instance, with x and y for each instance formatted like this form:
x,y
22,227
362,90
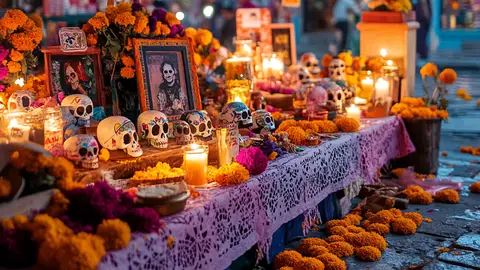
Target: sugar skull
x,y
20,100
295,75
310,61
316,97
118,133
182,133
153,126
336,70
82,149
238,113
200,124
335,96
262,119
80,106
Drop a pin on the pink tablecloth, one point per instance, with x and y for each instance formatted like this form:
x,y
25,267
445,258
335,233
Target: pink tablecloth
x,y
223,223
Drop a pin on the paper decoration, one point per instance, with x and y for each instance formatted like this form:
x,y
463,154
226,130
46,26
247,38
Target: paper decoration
x,y
72,39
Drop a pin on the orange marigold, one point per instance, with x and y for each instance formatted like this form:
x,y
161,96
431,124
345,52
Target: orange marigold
x,y
287,258
404,226
14,67
430,70
396,212
326,126
16,56
141,22
58,204
448,76
314,251
475,187
379,228
129,45
99,21
349,238
442,114
422,197
335,238
370,239
309,264
5,187
348,124
334,223
13,19
415,216
353,219
341,249
7,224
125,19
82,251
88,28
191,33
127,61
467,98
306,243
366,223
127,72
286,268
115,233
326,59
92,39
296,135
171,19
461,93
355,229
21,42
203,37
384,217
307,125
36,34
332,262
368,253
447,195
338,230
284,125
124,7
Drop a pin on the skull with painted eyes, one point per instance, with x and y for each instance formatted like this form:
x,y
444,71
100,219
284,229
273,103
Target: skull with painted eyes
x,y
238,113
310,61
262,119
200,124
80,106
83,150
153,126
119,133
336,70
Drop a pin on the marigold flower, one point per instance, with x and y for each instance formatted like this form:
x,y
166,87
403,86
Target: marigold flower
x,y
296,135
404,226
286,268
92,39
141,23
21,42
7,224
429,70
127,72
171,19
335,238
307,125
355,229
338,230
384,217
461,93
99,21
366,223
332,262
326,59
104,155
115,233
309,264
88,28
341,249
170,242
5,187
396,212
415,217
111,12
127,61
306,243
314,251
36,34
13,19
19,220
353,219
45,228
447,195
286,124
16,56
346,57
58,205
475,187
442,114
347,124
191,33
370,239
368,253
422,197
287,258
467,98
231,174
125,19
203,37
448,76
273,156
334,223
379,228
82,251
124,7
216,44
14,67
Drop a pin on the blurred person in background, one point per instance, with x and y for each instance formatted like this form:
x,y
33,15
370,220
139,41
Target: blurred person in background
x,y
229,28
246,4
341,18
423,10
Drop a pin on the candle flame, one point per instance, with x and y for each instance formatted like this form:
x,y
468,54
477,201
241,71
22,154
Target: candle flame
x,y
238,99
389,63
383,52
194,146
14,122
369,72
20,82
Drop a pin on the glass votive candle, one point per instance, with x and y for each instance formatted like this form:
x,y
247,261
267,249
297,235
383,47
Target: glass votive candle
x,y
195,160
239,79
243,48
17,130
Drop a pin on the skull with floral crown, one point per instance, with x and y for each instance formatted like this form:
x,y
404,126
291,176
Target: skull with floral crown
x,y
238,113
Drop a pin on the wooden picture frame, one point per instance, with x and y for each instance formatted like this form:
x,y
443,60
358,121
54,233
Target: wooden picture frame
x,y
166,76
257,29
283,41
85,73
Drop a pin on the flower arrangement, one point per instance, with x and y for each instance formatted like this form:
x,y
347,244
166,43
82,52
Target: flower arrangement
x,y
206,47
114,30
390,5
416,108
160,171
231,174
448,76
253,159
34,84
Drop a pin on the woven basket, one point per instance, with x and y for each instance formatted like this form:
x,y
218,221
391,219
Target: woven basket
x,y
149,182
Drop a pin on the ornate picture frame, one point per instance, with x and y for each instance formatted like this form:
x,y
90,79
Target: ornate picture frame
x,y
166,76
75,73
254,24
283,42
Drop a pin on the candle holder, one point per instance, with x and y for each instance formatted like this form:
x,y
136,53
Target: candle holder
x,y
354,112
17,130
239,79
228,144
367,85
244,48
195,160
382,100
53,131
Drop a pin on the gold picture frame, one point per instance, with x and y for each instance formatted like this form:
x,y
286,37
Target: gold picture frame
x,y
283,34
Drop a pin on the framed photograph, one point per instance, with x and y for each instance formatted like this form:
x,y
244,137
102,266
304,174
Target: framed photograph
x,y
75,73
253,24
166,76
283,42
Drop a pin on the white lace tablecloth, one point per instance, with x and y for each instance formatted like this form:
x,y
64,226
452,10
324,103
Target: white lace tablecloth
x,y
223,223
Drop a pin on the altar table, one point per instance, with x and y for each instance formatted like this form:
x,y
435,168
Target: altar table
x,y
225,222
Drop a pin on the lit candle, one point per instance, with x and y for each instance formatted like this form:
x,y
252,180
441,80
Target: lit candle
x,y
238,68
382,88
277,67
195,160
367,87
353,112
18,132
383,52
246,50
53,132
359,101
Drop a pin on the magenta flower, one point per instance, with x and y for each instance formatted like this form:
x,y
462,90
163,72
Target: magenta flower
x,y
253,159
159,13
143,219
2,88
3,72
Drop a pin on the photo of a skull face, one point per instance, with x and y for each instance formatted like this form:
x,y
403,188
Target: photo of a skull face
x,y
167,82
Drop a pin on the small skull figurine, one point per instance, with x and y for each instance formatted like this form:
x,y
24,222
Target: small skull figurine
x,y
316,97
336,97
296,75
182,133
262,119
82,149
236,112
118,133
310,61
153,126
20,100
81,106
200,124
336,70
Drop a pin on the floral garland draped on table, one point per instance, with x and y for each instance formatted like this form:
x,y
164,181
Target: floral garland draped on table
x,y
223,223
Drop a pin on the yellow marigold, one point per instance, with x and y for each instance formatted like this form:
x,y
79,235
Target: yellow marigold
x,y
99,21
197,58
359,62
171,19
352,80
346,57
127,61
127,72
21,42
461,92
141,22
448,76
216,44
286,124
58,205
407,114
447,195
398,108
125,19
16,56
14,67
115,234
429,70
124,7
203,37
347,124
296,135
82,251
404,226
231,174
5,187
13,19
273,156
326,59
7,224
92,39
326,126
19,220
47,228
368,253
191,33
413,102
287,258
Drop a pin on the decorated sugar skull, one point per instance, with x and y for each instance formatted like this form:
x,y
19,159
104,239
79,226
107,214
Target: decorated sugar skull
x,y
316,97
310,61
262,119
182,133
20,100
336,70
153,126
81,106
335,96
83,150
200,124
118,133
295,75
238,113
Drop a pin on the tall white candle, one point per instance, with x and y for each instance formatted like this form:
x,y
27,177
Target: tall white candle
x,y
353,112
381,88
196,161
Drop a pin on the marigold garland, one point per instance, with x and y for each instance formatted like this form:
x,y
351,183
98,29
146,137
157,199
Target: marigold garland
x,y
231,174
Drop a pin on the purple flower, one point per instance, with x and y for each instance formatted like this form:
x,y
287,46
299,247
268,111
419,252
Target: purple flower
x,y
3,53
174,31
17,250
3,72
181,30
76,226
253,159
152,23
143,219
136,6
159,13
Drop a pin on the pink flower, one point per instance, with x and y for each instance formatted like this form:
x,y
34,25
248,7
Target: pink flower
x,y
60,96
3,72
253,159
3,53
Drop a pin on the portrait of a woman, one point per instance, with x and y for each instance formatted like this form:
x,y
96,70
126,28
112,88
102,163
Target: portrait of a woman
x,y
76,78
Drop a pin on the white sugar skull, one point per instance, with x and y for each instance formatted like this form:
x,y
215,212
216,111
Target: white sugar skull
x,y
236,112
153,126
262,119
200,123
310,61
335,96
336,70
81,106
182,133
118,133
20,100
295,75
82,149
